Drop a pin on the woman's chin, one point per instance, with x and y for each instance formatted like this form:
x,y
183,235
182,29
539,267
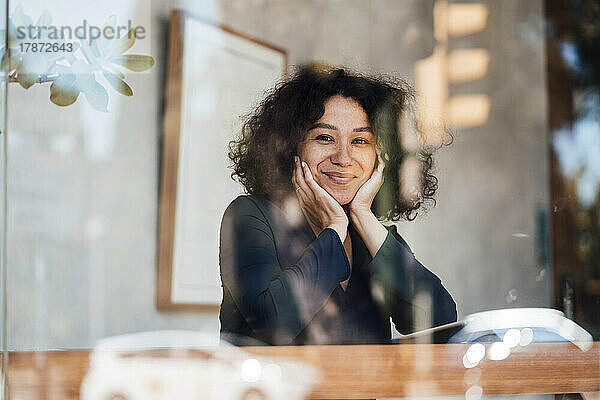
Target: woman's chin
x,y
343,195
343,198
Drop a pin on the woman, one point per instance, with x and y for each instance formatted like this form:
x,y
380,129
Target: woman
x,y
304,257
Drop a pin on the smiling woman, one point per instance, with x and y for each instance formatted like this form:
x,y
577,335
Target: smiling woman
x,y
304,256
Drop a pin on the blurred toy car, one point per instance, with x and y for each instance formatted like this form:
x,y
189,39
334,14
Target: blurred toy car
x,y
176,365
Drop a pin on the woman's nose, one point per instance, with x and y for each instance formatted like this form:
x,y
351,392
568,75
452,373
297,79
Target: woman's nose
x,y
342,155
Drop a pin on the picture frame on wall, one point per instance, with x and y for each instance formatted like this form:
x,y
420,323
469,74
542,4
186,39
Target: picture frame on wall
x,y
214,75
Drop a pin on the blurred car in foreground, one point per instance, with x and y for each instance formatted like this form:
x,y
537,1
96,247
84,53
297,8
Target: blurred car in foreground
x,y
179,365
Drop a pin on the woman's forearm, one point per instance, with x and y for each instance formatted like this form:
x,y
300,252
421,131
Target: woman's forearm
x,y
372,232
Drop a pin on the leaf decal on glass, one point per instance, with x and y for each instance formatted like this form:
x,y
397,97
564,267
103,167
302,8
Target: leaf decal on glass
x,y
29,69
63,91
118,84
134,62
71,72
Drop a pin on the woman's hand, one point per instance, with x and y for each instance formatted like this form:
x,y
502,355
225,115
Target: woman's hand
x,y
363,199
320,209
372,232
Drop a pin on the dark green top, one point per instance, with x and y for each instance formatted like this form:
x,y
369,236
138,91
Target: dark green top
x,y
281,283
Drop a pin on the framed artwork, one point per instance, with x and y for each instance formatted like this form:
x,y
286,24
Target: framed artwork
x,y
214,76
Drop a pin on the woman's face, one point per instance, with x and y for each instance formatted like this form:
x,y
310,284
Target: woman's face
x,y
339,148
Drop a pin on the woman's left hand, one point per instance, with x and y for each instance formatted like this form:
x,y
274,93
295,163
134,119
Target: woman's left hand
x,y
372,232
366,193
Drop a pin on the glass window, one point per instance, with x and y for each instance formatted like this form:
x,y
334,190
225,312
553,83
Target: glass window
x,y
208,198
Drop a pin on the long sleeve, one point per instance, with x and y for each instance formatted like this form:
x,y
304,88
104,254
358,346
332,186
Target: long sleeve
x,y
413,295
276,301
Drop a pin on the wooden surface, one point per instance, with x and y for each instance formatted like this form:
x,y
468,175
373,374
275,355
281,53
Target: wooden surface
x,y
407,370
170,156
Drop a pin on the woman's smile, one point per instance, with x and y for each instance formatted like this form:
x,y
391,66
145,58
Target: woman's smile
x,y
339,177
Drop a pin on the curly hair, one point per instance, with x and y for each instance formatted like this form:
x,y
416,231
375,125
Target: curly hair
x,y
263,154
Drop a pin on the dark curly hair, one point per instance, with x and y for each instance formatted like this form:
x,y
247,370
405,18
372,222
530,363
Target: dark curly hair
x,y
264,151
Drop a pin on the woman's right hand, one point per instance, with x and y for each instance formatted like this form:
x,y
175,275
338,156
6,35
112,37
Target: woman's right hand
x,y
320,209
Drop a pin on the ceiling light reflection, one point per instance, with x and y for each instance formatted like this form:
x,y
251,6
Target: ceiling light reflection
x,y
467,363
272,372
474,393
251,370
498,351
467,65
526,336
512,337
472,376
468,110
466,19
475,353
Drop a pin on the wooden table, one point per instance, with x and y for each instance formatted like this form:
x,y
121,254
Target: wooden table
x,y
364,371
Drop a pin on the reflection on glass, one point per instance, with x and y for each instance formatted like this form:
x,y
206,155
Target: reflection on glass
x,y
574,95
521,325
187,364
474,354
516,223
474,393
498,351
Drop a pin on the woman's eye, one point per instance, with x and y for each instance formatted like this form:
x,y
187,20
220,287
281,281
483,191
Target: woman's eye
x,y
324,138
360,141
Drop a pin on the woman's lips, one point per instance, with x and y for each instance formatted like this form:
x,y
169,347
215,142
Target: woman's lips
x,y
337,177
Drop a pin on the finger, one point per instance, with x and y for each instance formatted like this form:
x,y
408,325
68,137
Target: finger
x,y
295,173
305,196
380,157
298,182
308,178
302,198
300,194
378,170
293,180
301,181
381,165
295,183
376,179
312,184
